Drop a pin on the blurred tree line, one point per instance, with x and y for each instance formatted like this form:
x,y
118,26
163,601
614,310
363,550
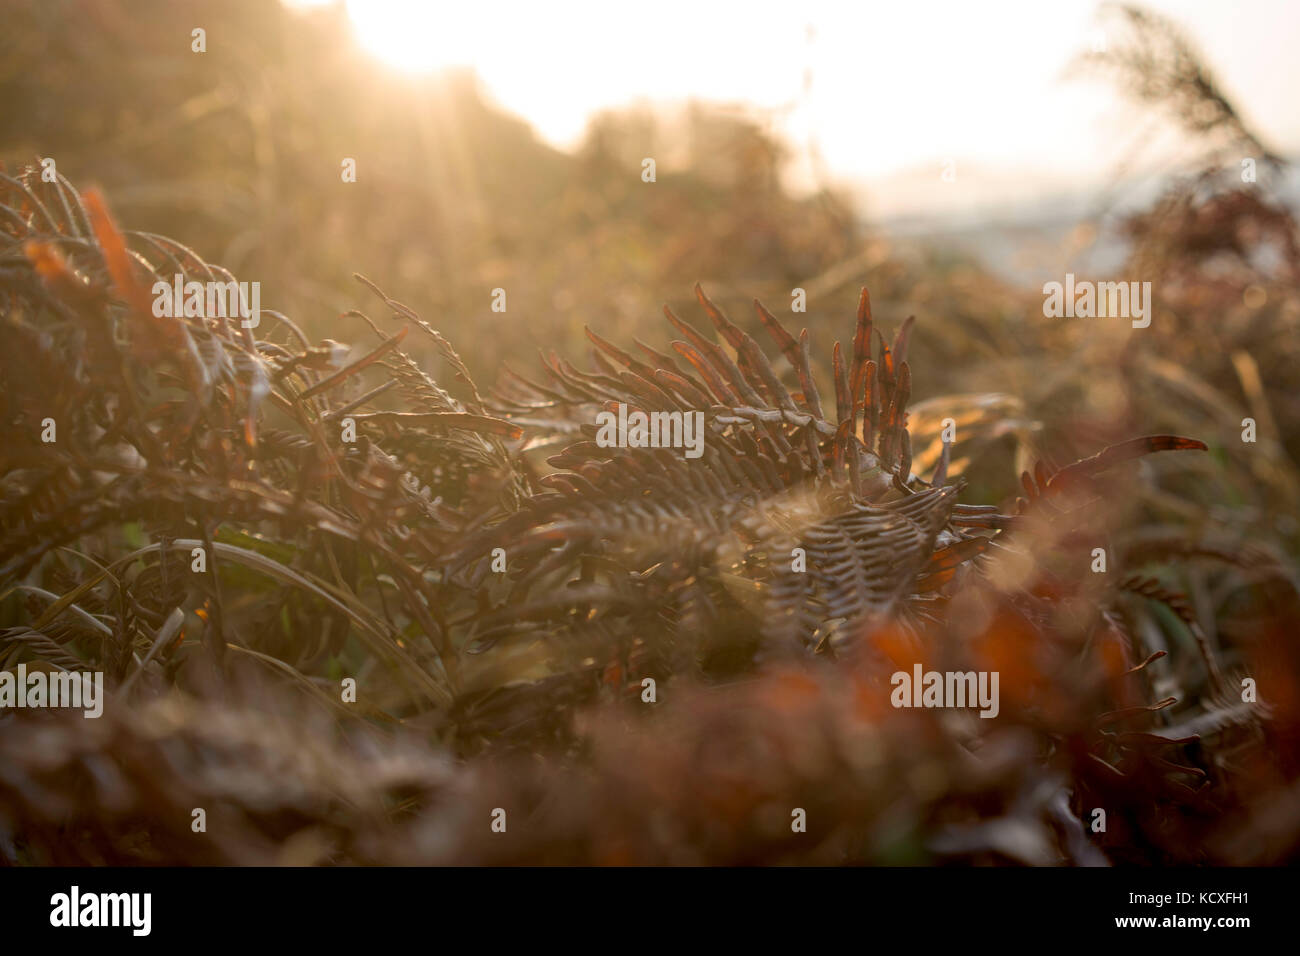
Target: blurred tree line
x,y
237,152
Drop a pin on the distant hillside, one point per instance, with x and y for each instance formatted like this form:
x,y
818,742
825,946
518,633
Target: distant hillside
x,y
238,152
1026,239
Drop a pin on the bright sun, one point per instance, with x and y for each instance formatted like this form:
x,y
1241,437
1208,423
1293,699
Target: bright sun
x,y
499,39
422,36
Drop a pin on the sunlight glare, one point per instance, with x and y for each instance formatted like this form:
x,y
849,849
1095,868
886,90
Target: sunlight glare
x,y
424,37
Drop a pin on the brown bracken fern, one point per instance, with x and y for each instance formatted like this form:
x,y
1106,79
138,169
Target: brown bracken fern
x,y
488,571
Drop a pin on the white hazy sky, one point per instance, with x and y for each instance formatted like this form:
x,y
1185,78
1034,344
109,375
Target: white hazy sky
x,y
896,87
